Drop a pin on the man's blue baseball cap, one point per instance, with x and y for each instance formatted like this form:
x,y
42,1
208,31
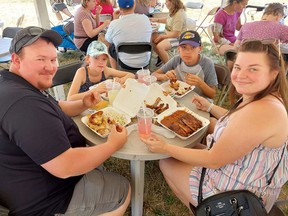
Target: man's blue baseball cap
x,y
126,3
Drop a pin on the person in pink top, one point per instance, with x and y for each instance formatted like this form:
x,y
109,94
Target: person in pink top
x,y
226,22
107,7
268,28
86,24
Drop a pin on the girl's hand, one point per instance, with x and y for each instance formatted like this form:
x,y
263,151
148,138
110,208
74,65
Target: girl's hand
x,y
201,102
119,80
155,143
192,79
101,88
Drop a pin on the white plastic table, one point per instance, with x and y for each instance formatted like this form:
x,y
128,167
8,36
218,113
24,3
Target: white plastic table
x,y
136,151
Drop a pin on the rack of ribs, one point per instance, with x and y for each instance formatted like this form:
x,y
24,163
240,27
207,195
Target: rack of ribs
x,y
182,123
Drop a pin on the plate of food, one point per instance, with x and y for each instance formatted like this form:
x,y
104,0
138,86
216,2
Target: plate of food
x,y
158,100
101,121
177,88
182,121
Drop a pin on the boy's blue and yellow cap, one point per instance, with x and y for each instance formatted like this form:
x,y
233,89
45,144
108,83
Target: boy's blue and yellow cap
x,y
190,37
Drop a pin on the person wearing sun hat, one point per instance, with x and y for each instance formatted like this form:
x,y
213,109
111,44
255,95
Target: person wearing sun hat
x,y
191,66
124,30
45,166
95,72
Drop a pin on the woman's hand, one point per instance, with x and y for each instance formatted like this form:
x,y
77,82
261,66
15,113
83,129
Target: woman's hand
x,y
106,23
98,9
201,102
118,136
155,144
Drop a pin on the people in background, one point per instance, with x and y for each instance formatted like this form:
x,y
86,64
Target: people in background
x,y
248,140
268,28
45,165
191,66
129,27
145,6
86,25
107,8
175,25
59,6
96,72
226,22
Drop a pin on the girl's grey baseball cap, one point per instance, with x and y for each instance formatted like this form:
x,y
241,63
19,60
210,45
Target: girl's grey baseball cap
x,y
29,35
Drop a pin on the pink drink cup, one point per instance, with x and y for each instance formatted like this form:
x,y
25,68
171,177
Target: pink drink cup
x,y
144,117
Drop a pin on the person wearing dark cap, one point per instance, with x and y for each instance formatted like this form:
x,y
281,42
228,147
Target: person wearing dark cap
x,y
130,27
45,167
191,66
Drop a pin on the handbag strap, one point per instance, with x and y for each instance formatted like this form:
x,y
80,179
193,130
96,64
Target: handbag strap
x,y
200,192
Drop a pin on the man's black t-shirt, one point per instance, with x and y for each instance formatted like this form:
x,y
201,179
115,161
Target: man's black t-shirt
x,y
33,130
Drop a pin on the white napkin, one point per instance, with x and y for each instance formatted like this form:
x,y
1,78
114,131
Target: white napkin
x,y
159,130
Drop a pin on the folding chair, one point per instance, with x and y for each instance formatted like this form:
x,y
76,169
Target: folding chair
x,y
104,17
223,77
190,24
133,48
204,24
210,35
20,20
64,75
195,5
10,32
68,28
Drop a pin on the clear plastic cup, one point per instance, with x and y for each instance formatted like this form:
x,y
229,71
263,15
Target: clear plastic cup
x,y
148,80
144,121
141,74
113,89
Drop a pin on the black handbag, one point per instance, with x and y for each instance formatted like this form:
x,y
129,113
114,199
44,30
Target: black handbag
x,y
231,203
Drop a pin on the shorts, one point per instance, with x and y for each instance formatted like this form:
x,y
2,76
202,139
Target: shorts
x,y
96,193
58,7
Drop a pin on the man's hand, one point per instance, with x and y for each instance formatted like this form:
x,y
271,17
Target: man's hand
x,y
118,136
91,98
